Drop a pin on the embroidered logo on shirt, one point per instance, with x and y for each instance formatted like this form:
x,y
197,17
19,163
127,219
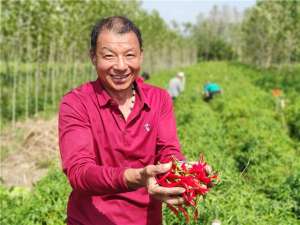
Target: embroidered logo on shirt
x,y
147,127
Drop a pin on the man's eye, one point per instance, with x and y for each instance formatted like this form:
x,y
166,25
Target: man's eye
x,y
130,55
108,56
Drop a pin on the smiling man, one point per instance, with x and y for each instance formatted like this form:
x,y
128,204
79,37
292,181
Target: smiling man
x,y
113,132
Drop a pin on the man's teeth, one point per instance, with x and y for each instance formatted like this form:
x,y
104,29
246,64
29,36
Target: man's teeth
x,y
120,77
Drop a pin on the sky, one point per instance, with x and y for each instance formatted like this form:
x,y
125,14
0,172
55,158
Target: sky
x,y
188,10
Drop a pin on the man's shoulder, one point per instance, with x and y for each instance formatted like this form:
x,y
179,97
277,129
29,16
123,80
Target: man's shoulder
x,y
153,90
155,96
83,91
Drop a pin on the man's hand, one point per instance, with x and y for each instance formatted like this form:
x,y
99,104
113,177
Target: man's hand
x,y
145,177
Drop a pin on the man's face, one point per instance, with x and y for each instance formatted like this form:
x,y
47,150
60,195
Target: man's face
x,y
117,60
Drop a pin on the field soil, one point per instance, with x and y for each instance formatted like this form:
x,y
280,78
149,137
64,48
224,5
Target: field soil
x,y
27,151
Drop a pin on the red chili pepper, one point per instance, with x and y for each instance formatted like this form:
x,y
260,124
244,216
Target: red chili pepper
x,y
164,177
183,166
173,209
196,215
193,178
186,215
174,176
162,183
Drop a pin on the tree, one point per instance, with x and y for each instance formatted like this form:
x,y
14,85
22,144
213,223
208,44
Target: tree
x,y
270,33
214,34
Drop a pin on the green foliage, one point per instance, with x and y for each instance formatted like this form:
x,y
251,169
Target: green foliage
x,y
45,44
46,204
293,183
288,80
36,88
266,35
241,137
44,30
215,34
293,119
270,33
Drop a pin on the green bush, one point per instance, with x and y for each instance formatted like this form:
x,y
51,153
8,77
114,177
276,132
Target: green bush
x,y
46,204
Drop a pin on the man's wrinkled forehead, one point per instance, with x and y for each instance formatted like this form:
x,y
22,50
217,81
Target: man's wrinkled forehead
x,y
107,38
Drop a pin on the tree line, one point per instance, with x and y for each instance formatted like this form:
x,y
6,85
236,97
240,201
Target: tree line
x,y
267,35
45,49
58,30
45,44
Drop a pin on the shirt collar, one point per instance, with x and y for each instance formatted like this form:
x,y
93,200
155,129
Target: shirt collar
x,y
139,84
102,95
104,98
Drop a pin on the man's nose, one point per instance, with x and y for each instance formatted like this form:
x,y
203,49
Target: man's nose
x,y
120,64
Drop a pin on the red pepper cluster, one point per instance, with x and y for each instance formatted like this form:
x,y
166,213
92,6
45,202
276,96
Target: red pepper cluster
x,y
195,178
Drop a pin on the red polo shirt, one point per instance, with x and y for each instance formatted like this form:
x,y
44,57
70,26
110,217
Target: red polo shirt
x,y
97,145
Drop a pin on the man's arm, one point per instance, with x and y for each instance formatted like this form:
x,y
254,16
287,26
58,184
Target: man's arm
x,y
167,140
77,152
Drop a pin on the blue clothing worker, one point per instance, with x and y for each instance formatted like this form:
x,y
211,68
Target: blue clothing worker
x,y
211,89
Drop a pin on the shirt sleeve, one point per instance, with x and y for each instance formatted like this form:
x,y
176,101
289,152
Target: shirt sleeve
x,y
167,140
78,154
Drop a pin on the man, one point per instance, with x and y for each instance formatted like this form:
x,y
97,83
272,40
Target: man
x,y
176,85
210,89
112,134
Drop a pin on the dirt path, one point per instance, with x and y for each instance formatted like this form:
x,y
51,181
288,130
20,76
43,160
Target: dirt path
x,y
28,151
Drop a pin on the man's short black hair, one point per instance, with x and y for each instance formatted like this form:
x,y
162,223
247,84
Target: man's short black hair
x,y
117,24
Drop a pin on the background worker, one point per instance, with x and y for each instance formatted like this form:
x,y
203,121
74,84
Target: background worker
x,y
210,89
176,85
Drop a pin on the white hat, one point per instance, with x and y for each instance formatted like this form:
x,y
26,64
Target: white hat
x,y
180,74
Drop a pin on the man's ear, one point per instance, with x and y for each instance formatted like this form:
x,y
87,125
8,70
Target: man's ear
x,y
93,57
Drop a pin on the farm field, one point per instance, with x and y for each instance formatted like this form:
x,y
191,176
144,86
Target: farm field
x,y
254,145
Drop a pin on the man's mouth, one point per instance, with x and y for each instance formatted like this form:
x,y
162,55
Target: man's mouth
x,y
120,78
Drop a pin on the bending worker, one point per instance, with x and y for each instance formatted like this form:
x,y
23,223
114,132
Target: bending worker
x,y
211,89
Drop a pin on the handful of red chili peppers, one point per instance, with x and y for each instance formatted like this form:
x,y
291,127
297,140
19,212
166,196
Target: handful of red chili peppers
x,y
195,178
